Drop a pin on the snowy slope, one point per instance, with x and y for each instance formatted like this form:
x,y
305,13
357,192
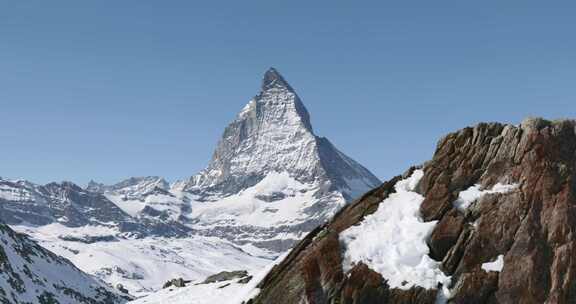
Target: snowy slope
x,y
227,292
144,265
272,214
392,240
32,274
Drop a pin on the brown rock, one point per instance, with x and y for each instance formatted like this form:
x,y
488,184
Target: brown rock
x,y
533,226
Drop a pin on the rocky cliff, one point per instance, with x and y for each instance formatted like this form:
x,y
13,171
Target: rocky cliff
x,y
500,213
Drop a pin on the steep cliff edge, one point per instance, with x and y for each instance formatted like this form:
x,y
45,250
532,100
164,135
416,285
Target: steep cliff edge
x,y
499,203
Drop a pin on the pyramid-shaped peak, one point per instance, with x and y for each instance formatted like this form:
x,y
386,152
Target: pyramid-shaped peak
x,y
273,78
273,134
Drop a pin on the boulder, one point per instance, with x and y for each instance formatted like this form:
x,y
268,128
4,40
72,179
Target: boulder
x,y
226,276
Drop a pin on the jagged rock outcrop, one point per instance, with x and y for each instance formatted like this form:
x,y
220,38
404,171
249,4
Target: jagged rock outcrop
x,y
226,276
514,246
32,274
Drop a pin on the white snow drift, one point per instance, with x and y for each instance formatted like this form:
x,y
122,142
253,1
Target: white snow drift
x,y
470,195
392,241
497,265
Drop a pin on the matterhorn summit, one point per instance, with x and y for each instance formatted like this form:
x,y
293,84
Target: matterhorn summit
x,y
273,133
271,179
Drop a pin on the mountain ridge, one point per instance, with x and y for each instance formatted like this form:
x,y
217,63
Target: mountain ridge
x,y
276,115
270,181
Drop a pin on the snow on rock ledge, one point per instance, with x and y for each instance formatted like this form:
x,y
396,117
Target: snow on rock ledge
x,y
470,195
497,265
392,241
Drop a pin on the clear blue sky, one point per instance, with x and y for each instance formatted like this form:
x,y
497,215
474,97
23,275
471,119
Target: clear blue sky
x,y
112,89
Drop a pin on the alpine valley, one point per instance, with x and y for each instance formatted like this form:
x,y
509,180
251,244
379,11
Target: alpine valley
x,y
271,181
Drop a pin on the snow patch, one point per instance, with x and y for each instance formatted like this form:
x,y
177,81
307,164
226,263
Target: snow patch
x,y
497,265
392,241
470,195
230,292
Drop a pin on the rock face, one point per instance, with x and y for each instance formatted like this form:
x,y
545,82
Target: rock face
x,y
32,274
514,246
226,276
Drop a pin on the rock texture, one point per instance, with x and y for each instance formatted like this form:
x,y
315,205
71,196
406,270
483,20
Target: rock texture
x,y
532,227
226,276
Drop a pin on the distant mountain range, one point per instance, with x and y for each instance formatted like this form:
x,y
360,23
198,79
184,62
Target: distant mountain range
x,y
271,180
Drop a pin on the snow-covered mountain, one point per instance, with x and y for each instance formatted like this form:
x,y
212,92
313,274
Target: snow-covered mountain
x,y
131,239
134,187
143,265
31,274
271,180
146,197
25,203
273,133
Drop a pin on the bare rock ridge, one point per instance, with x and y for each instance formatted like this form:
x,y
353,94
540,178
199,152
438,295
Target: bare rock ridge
x,y
514,246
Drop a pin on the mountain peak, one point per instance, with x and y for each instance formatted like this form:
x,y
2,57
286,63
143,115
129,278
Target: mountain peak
x,y
273,78
273,133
